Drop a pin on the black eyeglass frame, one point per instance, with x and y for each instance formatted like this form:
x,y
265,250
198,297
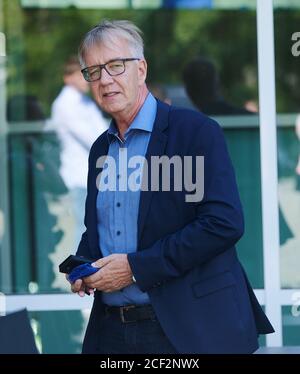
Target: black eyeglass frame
x,y
103,66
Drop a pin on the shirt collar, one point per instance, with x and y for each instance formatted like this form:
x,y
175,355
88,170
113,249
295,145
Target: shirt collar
x,y
144,119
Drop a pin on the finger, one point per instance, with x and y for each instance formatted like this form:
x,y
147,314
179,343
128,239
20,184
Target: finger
x,y
93,278
77,285
90,291
102,261
99,285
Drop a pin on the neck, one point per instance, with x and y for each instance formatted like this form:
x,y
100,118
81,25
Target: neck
x,y
123,122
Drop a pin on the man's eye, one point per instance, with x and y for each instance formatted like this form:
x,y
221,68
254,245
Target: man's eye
x,y
115,65
93,72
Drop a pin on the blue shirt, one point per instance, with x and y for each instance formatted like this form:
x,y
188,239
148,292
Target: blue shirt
x,y
117,211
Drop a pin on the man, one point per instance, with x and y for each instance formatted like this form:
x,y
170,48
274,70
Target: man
x,y
202,84
78,122
169,279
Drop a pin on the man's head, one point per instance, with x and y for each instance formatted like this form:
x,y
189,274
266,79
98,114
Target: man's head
x,y
72,75
112,57
201,81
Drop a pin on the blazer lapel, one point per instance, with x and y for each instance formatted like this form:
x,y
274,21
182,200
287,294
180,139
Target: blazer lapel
x,y
156,147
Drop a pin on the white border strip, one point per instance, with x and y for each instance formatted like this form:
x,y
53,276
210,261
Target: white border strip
x,y
48,302
52,302
268,157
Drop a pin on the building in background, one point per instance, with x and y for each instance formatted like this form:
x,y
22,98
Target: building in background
x,y
32,234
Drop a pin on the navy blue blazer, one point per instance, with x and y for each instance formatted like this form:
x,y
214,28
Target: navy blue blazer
x,y
186,258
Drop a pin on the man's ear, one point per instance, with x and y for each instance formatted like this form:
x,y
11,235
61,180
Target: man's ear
x,y
142,71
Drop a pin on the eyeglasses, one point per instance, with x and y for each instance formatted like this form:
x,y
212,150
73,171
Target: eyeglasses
x,y
113,68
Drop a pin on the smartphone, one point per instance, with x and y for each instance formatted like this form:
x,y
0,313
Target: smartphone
x,y
71,262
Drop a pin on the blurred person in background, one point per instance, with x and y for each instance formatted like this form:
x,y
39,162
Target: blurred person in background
x,y
202,84
159,91
251,106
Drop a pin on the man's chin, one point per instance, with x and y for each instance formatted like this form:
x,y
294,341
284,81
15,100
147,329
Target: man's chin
x,y
113,109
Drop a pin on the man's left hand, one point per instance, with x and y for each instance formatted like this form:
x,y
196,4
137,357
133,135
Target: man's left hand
x,y
115,274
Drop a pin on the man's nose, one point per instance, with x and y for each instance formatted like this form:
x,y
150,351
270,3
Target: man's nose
x,y
105,77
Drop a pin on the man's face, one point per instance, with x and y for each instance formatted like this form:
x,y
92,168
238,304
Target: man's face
x,y
117,95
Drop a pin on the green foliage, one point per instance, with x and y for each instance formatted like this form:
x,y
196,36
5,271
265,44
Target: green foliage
x,y
40,40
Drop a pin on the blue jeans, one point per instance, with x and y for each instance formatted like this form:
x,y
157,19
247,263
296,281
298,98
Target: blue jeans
x,y
141,337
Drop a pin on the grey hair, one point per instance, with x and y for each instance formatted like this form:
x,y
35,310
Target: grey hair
x,y
108,31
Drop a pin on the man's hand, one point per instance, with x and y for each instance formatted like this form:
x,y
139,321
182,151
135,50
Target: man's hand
x,y
115,274
80,287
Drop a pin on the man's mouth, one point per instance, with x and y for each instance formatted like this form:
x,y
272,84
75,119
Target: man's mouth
x,y
110,94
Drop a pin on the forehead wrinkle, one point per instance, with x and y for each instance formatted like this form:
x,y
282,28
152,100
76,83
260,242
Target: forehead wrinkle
x,y
112,43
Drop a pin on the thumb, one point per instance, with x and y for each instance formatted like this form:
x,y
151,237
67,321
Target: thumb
x,y
101,262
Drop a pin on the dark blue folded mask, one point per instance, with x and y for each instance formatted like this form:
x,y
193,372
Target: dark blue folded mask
x,y
81,271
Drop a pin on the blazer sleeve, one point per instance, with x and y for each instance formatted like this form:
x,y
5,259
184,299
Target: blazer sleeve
x,y
217,227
